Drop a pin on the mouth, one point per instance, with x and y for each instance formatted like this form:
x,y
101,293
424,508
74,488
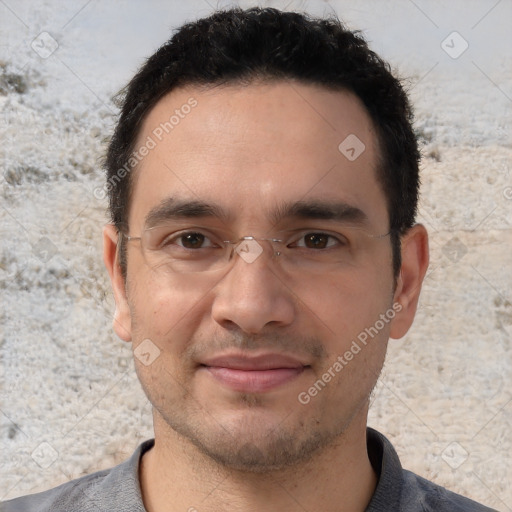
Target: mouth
x,y
254,374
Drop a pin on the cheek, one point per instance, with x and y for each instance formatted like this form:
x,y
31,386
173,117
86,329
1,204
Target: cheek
x,y
348,304
162,309
355,337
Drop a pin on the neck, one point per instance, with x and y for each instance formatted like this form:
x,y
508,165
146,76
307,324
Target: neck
x,y
175,476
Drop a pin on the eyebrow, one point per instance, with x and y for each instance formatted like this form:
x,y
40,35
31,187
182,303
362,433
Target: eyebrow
x,y
339,211
174,208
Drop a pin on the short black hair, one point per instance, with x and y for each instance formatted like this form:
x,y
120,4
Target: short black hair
x,y
240,46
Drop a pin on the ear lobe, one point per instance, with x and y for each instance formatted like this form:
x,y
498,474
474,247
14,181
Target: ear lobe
x,y
415,258
122,316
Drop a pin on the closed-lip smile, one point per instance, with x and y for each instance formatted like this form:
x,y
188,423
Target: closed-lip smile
x,y
254,373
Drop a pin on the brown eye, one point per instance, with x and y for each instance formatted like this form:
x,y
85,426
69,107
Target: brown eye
x,y
316,240
192,240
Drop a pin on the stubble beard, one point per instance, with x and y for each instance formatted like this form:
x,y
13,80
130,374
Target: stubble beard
x,y
250,447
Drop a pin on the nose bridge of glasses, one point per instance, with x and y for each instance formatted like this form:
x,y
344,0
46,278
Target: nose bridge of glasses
x,y
249,248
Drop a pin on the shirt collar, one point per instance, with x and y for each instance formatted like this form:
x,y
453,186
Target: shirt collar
x,y
386,464
382,455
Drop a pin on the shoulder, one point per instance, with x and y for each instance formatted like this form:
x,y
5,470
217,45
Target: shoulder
x,y
71,496
422,495
116,488
400,490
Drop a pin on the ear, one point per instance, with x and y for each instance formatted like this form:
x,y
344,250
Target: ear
x,y
415,257
122,318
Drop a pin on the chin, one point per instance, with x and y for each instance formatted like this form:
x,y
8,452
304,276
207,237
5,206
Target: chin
x,y
254,441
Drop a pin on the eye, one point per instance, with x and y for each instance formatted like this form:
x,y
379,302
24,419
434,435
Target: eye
x,y
189,240
317,240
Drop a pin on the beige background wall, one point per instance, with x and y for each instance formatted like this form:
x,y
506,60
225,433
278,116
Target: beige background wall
x,y
69,399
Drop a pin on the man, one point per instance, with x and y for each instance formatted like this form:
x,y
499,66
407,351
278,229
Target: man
x,y
263,182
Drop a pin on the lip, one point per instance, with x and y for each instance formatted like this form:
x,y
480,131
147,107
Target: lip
x,y
255,373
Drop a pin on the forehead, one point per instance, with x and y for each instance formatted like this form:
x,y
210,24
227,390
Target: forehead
x,y
251,148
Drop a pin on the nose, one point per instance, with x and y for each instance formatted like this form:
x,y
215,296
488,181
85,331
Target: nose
x,y
253,295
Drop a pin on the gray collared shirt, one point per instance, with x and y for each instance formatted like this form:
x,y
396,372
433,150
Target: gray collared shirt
x,y
118,489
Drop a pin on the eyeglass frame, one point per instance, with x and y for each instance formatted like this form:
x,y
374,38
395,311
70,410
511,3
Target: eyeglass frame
x,y
236,243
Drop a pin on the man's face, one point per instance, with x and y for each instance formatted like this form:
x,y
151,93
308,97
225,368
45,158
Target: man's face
x,y
239,345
